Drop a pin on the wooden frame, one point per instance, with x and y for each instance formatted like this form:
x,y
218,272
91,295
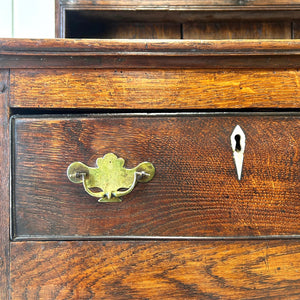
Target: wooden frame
x,y
177,10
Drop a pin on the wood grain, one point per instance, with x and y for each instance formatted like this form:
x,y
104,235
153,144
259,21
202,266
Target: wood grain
x,y
237,30
195,191
296,29
4,186
170,89
148,270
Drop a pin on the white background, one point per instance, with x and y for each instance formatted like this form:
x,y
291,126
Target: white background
x,y
27,18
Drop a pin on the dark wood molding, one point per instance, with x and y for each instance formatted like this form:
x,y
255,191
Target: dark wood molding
x,y
66,53
79,47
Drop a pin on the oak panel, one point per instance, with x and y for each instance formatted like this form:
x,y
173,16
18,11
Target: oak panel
x,y
237,30
148,270
122,30
170,89
136,30
195,191
296,29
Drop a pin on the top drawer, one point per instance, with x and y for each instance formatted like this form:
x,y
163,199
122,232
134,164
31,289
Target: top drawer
x,y
172,88
194,193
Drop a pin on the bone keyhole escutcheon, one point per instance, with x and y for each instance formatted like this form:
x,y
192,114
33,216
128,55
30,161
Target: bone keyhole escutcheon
x,y
238,143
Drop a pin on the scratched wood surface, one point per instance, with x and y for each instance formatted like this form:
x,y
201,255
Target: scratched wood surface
x,y
170,89
4,186
156,270
195,191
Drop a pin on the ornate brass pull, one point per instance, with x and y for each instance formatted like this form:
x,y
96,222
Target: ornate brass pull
x,y
110,177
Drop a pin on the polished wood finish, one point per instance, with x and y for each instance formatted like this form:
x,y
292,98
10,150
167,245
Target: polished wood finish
x,y
4,187
152,270
192,154
129,89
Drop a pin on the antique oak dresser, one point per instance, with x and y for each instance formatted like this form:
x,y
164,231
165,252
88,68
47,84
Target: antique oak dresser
x,y
150,169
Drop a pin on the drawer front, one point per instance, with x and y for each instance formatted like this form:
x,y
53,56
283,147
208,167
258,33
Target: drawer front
x,y
194,193
148,269
170,88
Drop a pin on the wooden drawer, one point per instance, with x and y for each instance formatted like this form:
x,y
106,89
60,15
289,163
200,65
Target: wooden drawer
x,y
187,88
194,193
265,269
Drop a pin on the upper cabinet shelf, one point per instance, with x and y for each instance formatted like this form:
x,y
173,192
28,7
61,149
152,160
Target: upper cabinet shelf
x,y
178,19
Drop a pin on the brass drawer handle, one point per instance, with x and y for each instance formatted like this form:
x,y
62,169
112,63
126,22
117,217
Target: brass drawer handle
x,y
110,177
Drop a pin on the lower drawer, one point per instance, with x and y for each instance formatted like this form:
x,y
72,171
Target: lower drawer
x,y
195,191
148,270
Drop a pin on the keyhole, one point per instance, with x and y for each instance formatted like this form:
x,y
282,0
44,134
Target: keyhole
x,y
238,142
238,146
